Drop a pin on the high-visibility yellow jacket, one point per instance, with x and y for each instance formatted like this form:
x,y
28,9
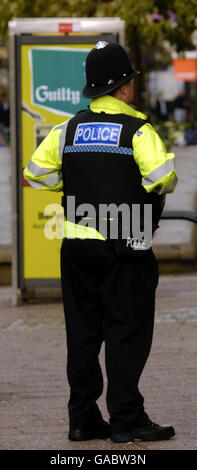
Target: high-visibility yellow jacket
x,y
156,166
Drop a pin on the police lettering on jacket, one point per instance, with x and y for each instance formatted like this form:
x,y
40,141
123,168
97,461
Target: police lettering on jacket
x,y
98,133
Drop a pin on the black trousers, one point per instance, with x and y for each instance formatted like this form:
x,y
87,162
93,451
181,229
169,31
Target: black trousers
x,y
107,298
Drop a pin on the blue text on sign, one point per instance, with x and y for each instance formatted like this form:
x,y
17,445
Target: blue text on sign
x,y
98,133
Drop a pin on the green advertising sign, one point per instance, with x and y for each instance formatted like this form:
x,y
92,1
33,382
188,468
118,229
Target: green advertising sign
x,y
58,77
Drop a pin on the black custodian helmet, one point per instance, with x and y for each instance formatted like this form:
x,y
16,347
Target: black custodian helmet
x,y
107,67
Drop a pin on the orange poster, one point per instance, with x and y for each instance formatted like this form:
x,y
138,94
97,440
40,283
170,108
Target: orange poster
x,y
185,69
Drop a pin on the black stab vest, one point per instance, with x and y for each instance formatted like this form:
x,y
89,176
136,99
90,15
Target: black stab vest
x,y
100,177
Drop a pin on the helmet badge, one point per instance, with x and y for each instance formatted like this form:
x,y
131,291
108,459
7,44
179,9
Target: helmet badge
x,y
101,44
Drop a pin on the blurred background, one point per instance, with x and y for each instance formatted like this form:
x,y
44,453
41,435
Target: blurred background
x,y
161,38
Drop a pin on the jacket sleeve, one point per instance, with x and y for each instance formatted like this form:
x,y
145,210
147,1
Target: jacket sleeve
x,y
156,166
43,170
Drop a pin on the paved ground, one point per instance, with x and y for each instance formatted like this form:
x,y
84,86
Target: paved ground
x,y
33,384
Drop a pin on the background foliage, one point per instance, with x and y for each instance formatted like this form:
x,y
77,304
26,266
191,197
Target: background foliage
x,y
148,21
151,25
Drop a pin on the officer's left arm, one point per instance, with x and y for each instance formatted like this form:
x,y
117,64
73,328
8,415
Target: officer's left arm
x,y
43,170
156,166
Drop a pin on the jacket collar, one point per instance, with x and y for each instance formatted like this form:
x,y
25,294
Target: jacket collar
x,y
111,105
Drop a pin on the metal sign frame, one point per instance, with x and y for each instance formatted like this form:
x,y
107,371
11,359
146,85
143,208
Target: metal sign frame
x,y
28,31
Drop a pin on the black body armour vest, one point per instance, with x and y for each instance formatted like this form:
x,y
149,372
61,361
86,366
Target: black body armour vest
x,y
98,167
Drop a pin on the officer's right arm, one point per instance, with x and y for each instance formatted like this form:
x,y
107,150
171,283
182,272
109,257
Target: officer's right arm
x,y
43,170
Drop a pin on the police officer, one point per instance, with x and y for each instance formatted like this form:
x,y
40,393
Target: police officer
x,y
107,154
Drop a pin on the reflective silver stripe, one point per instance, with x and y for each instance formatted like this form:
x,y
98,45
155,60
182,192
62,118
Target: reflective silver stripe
x,y
35,184
158,173
55,178
36,170
170,187
62,138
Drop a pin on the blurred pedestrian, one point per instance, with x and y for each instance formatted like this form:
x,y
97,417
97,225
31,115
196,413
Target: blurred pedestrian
x,y
161,108
181,106
4,117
